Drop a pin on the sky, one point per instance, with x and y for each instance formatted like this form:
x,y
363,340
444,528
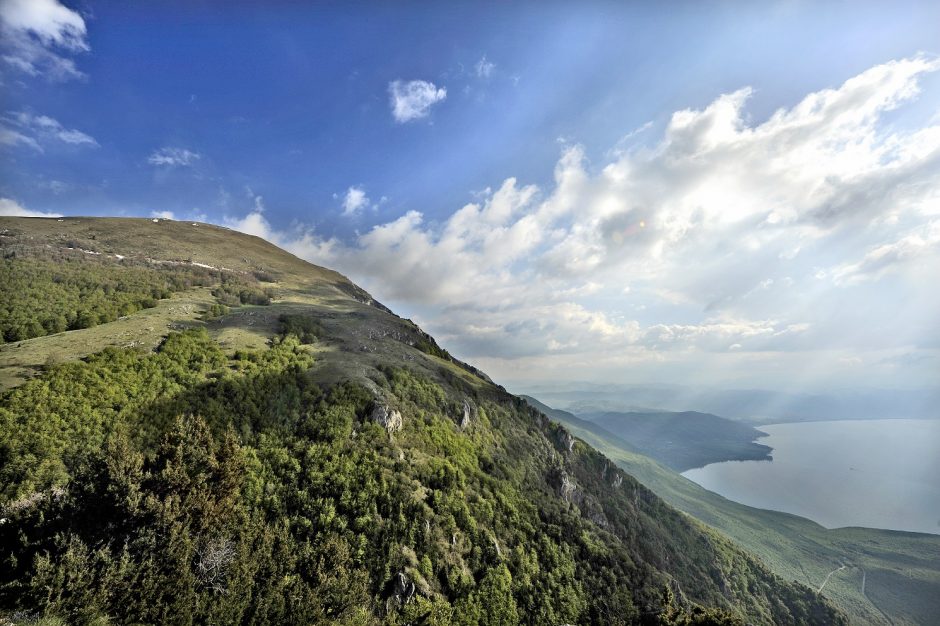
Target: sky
x,y
744,195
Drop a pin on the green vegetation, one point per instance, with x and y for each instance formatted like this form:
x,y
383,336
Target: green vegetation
x,y
344,470
44,297
117,505
304,327
217,310
889,577
235,292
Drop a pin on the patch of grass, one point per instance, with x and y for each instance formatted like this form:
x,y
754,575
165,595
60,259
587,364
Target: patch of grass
x,y
21,360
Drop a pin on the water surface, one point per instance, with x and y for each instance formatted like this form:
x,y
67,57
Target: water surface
x,y
873,473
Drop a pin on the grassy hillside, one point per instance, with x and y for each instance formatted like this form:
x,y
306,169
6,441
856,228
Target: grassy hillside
x,y
684,440
269,445
886,577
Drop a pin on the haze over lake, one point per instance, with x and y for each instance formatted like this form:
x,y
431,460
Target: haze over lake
x,y
872,473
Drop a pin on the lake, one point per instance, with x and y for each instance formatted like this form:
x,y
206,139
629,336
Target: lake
x,y
873,473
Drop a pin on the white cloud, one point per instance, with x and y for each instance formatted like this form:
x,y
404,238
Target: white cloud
x,y
889,257
37,34
10,137
32,130
173,157
354,200
721,227
484,68
412,100
13,208
163,215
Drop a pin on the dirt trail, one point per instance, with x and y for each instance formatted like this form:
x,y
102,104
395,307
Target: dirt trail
x,y
828,576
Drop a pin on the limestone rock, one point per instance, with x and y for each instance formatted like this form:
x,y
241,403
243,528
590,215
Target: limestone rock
x,y
564,484
466,420
390,419
565,440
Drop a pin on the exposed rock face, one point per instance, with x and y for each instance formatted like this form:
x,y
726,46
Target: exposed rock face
x,y
466,420
567,488
612,475
401,593
389,418
567,441
404,589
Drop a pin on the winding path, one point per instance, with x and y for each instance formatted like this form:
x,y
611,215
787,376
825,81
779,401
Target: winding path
x,y
828,576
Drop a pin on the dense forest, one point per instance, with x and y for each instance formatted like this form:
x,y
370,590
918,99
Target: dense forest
x,y
182,486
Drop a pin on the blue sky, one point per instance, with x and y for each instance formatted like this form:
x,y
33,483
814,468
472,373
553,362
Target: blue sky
x,y
597,141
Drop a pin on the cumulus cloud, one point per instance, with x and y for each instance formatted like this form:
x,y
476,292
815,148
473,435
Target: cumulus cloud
x,y
173,157
13,208
412,100
38,35
33,130
354,200
723,237
163,215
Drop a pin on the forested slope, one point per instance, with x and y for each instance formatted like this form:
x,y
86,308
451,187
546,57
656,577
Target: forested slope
x,y
308,457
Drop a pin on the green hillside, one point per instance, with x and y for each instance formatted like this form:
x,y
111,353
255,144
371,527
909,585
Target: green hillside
x,y
878,576
264,443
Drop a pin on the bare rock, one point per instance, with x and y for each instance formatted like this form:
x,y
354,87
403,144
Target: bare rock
x,y
390,419
564,485
404,590
468,412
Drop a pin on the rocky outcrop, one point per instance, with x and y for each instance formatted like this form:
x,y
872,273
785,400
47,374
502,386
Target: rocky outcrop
x,y
390,419
402,592
468,413
564,485
404,589
612,474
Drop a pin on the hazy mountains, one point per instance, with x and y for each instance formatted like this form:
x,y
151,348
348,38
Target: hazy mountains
x,y
754,405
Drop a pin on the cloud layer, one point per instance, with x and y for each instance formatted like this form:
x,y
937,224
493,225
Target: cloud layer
x,y
805,236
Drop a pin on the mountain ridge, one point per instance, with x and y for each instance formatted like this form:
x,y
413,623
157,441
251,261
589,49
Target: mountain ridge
x,y
274,446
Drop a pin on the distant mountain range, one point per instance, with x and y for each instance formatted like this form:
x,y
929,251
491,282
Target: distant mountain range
x,y
753,406
681,441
